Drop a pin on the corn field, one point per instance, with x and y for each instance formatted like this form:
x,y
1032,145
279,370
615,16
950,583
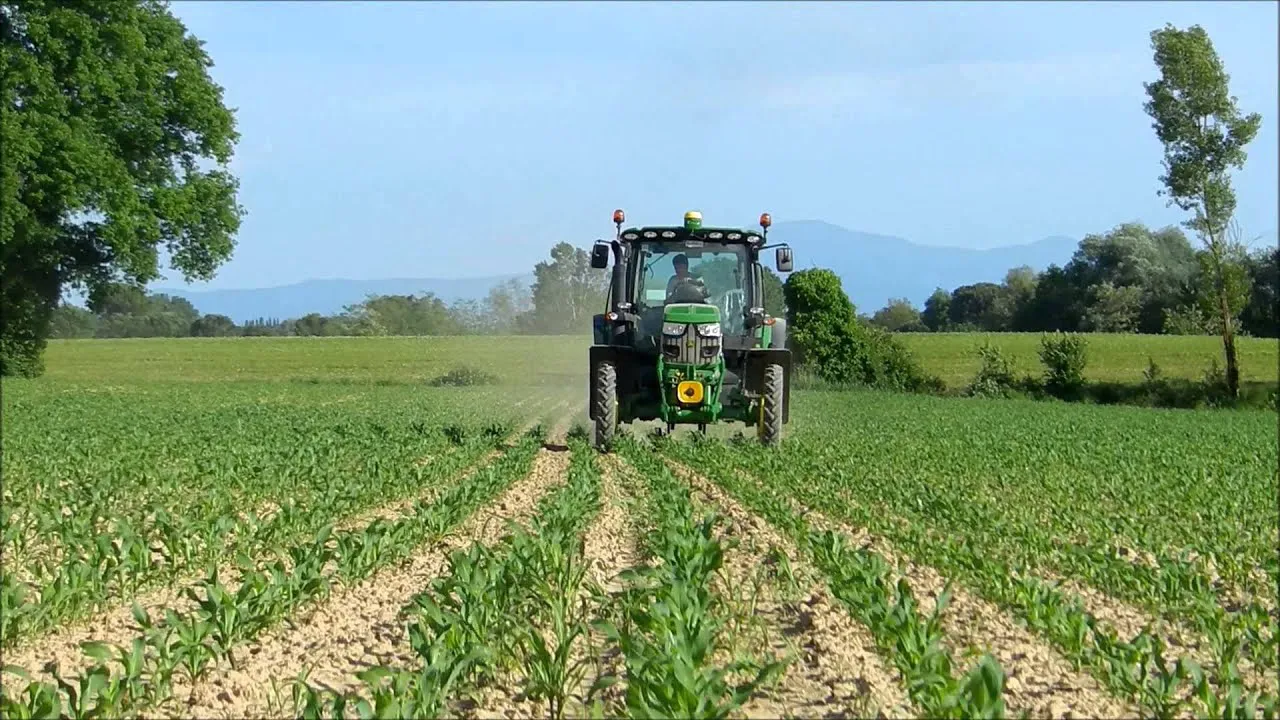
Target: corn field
x,y
210,549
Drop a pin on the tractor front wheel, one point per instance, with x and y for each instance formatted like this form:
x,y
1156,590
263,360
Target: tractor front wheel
x,y
770,422
604,382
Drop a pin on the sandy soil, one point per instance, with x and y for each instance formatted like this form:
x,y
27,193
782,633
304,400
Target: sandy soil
x,y
359,627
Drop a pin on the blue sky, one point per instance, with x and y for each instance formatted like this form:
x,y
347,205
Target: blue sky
x,y
431,139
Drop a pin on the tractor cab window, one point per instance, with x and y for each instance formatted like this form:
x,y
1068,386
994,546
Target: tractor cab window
x,y
711,273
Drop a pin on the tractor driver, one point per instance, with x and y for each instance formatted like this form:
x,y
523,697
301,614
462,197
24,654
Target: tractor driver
x,y
683,283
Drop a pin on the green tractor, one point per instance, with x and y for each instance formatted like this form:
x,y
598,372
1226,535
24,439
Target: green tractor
x,y
685,338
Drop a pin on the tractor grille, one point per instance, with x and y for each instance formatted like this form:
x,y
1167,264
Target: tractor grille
x,y
690,348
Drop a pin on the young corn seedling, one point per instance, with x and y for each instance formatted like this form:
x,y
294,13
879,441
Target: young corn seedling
x,y
37,699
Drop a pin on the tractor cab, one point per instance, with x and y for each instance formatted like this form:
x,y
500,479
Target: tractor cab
x,y
684,337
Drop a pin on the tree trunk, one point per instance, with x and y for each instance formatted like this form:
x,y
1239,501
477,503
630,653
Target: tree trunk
x,y
1229,346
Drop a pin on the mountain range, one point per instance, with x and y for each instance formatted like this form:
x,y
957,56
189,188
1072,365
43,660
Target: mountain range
x,y
873,269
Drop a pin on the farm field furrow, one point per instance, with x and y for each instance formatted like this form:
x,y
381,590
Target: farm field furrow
x,y
676,633
489,611
906,632
1037,680
610,547
1151,480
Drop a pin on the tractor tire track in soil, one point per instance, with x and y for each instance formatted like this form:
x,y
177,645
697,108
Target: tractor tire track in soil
x,y
116,624
836,667
609,547
360,627
612,545
1038,679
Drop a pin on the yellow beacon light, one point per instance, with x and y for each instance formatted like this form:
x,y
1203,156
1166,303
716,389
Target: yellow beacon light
x,y
693,220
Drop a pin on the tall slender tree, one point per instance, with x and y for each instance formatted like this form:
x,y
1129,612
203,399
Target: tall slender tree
x,y
1204,136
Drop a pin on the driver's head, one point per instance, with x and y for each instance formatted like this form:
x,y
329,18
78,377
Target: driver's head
x,y
681,264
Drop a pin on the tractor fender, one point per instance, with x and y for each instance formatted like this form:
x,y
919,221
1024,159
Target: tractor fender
x,y
760,358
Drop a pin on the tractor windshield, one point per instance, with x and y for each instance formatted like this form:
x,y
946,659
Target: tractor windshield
x,y
706,272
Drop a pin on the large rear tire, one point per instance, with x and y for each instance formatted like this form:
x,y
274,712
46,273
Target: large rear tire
x,y
604,386
770,422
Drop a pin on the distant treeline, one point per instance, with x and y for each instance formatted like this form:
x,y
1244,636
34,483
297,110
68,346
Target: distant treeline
x,y
565,294
1129,280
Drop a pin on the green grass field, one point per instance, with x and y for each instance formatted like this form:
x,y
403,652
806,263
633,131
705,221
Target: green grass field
x,y
558,361
350,534
1115,358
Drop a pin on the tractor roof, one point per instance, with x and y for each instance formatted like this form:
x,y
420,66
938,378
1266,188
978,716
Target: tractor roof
x,y
678,233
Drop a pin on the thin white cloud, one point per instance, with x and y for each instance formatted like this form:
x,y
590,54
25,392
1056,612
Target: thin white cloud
x,y
1089,76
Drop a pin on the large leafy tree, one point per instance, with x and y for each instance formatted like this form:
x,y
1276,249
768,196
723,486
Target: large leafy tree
x,y
937,310
1261,316
1130,275
1204,136
899,315
115,149
567,292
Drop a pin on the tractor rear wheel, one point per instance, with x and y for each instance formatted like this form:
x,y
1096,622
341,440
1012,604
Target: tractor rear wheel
x,y
604,386
770,423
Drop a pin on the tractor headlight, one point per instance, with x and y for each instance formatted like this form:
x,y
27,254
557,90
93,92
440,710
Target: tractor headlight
x,y
709,330
676,329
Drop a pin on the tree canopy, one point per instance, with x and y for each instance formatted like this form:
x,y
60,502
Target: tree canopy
x,y
116,146
1128,279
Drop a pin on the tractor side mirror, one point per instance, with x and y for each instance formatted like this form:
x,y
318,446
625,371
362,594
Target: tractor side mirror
x,y
600,255
782,259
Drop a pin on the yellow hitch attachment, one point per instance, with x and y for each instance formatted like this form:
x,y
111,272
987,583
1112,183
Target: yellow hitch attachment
x,y
689,392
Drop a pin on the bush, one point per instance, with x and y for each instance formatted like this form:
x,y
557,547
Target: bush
x,y
995,376
1064,357
828,340
464,377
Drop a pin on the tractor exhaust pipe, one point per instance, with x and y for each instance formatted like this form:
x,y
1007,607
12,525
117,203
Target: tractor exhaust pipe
x,y
619,278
